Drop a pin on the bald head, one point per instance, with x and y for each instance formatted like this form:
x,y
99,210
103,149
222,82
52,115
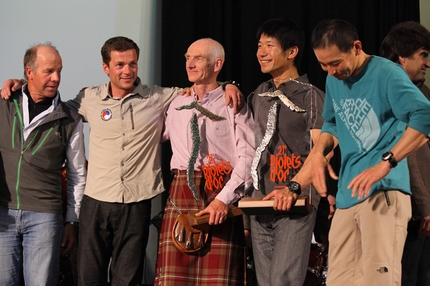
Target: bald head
x,y
213,48
204,60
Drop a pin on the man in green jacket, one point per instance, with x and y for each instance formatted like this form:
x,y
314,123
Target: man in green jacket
x,y
39,135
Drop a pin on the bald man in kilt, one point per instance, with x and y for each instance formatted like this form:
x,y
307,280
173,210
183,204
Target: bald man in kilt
x,y
212,153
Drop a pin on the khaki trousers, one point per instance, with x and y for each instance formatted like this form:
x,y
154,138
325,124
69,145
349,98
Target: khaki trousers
x,y
366,241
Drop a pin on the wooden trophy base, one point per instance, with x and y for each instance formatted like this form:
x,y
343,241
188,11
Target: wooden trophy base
x,y
257,206
254,206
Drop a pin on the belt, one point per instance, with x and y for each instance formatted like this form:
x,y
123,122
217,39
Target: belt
x,y
184,172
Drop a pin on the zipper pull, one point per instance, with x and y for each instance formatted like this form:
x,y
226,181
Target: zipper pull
x,y
131,117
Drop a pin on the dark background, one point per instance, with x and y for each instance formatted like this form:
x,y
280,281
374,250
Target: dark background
x,y
234,24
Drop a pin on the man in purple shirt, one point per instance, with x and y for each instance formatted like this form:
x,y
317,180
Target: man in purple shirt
x,y
212,153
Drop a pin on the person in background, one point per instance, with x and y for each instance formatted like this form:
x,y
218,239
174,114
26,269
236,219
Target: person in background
x,y
39,135
219,164
408,44
378,117
126,121
287,113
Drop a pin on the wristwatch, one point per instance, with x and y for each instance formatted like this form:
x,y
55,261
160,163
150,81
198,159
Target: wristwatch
x,y
295,188
388,156
233,82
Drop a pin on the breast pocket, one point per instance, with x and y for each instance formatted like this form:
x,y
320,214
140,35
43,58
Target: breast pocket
x,y
221,128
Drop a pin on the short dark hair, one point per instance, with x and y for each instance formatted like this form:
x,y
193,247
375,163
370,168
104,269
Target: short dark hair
x,y
404,39
334,32
120,44
30,56
286,32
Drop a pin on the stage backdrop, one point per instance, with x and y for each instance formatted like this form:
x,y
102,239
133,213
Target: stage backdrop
x,y
234,24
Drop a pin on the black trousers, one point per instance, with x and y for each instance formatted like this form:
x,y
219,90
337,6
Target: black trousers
x,y
115,233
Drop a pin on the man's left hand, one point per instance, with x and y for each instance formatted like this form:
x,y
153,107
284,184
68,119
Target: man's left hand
x,y
425,226
69,238
284,199
235,97
363,182
332,203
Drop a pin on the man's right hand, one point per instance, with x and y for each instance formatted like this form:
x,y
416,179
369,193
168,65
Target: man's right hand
x,y
217,211
320,167
10,86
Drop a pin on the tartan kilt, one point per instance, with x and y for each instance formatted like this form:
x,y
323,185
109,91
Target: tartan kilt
x,y
222,260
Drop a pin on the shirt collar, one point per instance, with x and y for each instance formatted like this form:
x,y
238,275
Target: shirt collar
x,y
210,96
138,89
291,86
24,90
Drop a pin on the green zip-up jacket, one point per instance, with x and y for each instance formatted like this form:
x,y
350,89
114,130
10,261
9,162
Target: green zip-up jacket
x,y
30,170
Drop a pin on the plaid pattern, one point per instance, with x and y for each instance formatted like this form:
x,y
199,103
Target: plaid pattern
x,y
220,262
